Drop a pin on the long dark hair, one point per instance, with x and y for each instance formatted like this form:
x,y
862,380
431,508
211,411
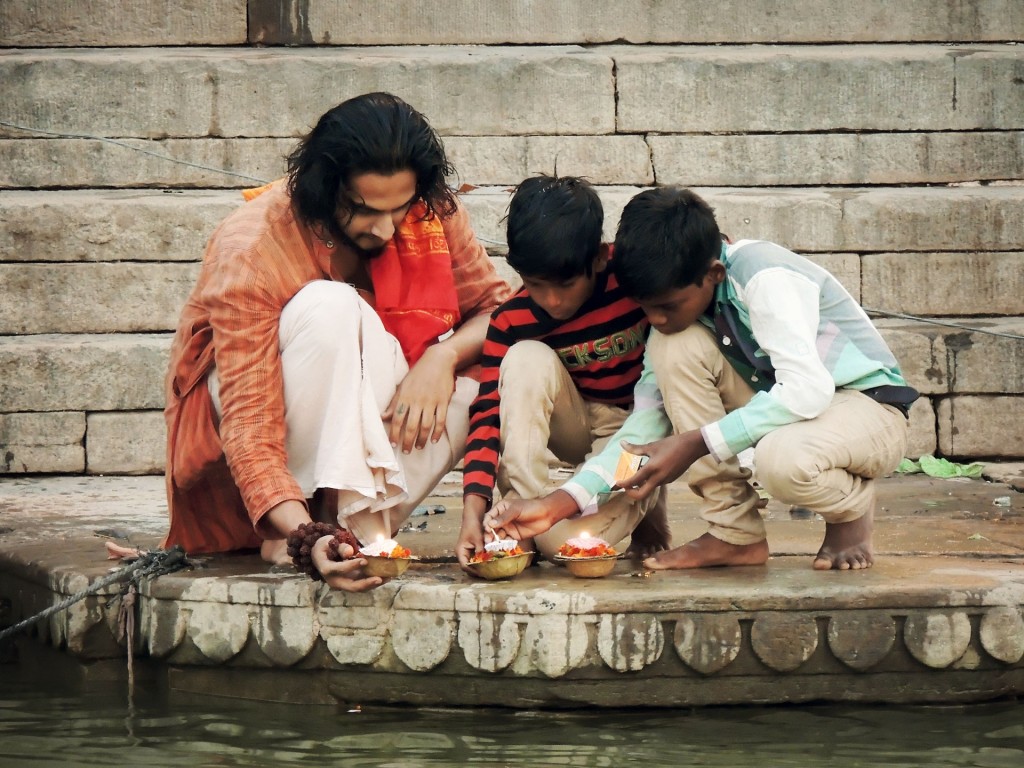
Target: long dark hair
x,y
372,133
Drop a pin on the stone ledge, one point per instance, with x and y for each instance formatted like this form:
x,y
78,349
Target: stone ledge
x,y
946,628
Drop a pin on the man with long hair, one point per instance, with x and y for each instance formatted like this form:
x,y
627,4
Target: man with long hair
x,y
307,380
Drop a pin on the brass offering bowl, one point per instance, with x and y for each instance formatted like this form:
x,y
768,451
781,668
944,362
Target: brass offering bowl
x,y
385,567
588,567
501,567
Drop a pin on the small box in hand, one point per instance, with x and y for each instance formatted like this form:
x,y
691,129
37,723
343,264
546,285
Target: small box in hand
x,y
629,464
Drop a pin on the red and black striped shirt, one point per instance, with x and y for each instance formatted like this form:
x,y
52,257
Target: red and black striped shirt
x,y
602,347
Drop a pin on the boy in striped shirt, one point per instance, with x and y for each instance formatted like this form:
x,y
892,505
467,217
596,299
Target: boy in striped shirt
x,y
559,364
751,346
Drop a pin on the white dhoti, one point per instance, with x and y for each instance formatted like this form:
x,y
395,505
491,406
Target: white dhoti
x,y
341,369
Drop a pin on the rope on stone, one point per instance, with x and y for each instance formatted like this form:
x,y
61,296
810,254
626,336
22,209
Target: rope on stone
x,y
148,565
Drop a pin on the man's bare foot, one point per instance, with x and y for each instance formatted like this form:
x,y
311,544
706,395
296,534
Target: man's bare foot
x,y
275,551
847,546
708,551
652,535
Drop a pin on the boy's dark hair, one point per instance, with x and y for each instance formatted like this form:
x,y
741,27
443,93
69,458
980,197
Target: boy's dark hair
x,y
667,238
372,133
554,227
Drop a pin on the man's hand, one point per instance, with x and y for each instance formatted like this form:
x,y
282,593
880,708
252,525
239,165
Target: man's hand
x,y
521,519
471,537
419,409
345,575
668,459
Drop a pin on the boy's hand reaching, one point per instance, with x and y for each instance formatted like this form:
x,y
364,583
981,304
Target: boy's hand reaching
x,y
668,458
471,536
521,519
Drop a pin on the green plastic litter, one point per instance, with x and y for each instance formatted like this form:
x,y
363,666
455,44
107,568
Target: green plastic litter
x,y
934,467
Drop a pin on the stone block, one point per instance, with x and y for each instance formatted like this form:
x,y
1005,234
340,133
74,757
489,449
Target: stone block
x,y
439,22
83,373
923,437
228,92
126,443
110,225
510,159
837,158
845,267
94,298
82,163
934,219
817,88
42,442
945,283
937,359
43,23
976,425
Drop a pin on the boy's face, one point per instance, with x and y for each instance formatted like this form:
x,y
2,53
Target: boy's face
x,y
677,309
563,298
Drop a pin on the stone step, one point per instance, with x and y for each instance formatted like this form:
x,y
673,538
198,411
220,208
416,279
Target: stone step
x,y
150,225
443,22
127,260
231,92
77,402
792,159
505,90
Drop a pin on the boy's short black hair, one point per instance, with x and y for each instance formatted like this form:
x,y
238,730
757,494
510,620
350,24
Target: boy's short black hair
x,y
554,227
667,238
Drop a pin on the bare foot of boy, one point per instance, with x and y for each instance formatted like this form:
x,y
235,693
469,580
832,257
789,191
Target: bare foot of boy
x,y
708,551
847,546
651,535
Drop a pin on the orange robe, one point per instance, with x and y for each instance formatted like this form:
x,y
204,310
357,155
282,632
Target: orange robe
x,y
221,479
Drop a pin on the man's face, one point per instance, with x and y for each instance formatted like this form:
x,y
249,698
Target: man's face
x,y
379,203
677,309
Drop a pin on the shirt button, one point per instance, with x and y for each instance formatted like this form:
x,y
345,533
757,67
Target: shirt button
x,y
726,341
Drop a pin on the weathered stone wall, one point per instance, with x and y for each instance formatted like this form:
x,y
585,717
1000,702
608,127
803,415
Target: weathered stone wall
x,y
885,141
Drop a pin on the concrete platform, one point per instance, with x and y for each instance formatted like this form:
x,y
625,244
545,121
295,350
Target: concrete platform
x,y
939,618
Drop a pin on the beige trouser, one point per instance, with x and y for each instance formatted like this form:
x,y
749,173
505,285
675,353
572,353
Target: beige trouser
x,y
341,369
826,464
541,410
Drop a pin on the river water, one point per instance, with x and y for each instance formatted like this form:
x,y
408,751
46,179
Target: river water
x,y
96,725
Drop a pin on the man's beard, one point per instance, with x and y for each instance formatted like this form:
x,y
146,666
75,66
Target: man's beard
x,y
362,253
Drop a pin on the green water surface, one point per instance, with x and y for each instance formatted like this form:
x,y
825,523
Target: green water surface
x,y
95,725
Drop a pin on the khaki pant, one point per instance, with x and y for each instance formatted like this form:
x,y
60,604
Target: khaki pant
x,y
542,413
827,464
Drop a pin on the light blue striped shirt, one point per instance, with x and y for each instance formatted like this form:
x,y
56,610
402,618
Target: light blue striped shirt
x,y
816,336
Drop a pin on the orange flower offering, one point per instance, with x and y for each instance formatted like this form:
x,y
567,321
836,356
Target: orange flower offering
x,y
386,558
385,548
585,546
500,559
496,554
